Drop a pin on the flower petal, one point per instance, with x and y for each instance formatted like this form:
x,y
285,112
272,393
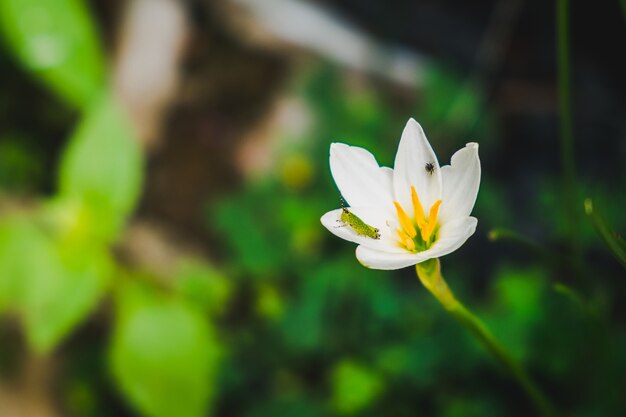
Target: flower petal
x,y
374,217
414,153
360,180
460,182
451,236
377,259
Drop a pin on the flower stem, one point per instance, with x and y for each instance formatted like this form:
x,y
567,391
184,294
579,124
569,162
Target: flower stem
x,y
429,273
566,126
614,242
501,233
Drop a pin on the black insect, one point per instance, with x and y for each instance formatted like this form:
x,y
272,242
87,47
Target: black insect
x,y
430,168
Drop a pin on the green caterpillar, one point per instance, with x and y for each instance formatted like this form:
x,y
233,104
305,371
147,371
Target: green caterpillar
x,y
358,225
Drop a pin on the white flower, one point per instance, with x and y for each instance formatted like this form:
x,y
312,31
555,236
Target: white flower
x,y
422,210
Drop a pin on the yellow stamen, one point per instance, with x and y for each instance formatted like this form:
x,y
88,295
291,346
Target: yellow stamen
x,y
432,221
406,240
419,210
406,223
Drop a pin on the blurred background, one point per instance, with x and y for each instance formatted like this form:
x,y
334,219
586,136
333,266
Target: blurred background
x,y
163,169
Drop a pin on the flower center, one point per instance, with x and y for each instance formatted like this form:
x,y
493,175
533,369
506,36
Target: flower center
x,y
420,238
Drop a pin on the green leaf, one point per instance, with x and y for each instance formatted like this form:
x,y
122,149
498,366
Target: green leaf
x,y
51,285
56,301
17,239
354,387
203,285
102,167
255,250
453,102
163,354
57,41
517,307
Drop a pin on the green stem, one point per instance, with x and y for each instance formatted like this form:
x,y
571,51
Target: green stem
x,y
502,233
612,241
566,127
429,273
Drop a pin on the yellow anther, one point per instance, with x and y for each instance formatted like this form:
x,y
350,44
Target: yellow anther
x,y
405,221
419,210
428,230
408,243
425,225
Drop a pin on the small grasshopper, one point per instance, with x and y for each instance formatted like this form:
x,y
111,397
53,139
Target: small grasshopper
x,y
359,226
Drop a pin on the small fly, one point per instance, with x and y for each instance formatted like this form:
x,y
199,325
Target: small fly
x,y
430,168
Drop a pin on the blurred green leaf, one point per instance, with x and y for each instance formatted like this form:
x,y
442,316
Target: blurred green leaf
x,y
17,239
454,104
163,354
270,302
52,285
354,387
54,303
203,285
421,361
517,307
56,40
251,228
320,291
102,167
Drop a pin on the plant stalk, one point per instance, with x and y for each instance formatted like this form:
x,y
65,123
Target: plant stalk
x,y
429,273
568,163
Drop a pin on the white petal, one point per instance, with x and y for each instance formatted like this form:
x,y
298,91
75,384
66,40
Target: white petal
x,y
451,237
414,152
460,182
360,180
377,259
373,217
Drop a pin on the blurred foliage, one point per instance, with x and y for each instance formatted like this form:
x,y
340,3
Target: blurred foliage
x,y
57,42
19,165
404,354
55,284
163,353
101,169
57,263
354,387
290,324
